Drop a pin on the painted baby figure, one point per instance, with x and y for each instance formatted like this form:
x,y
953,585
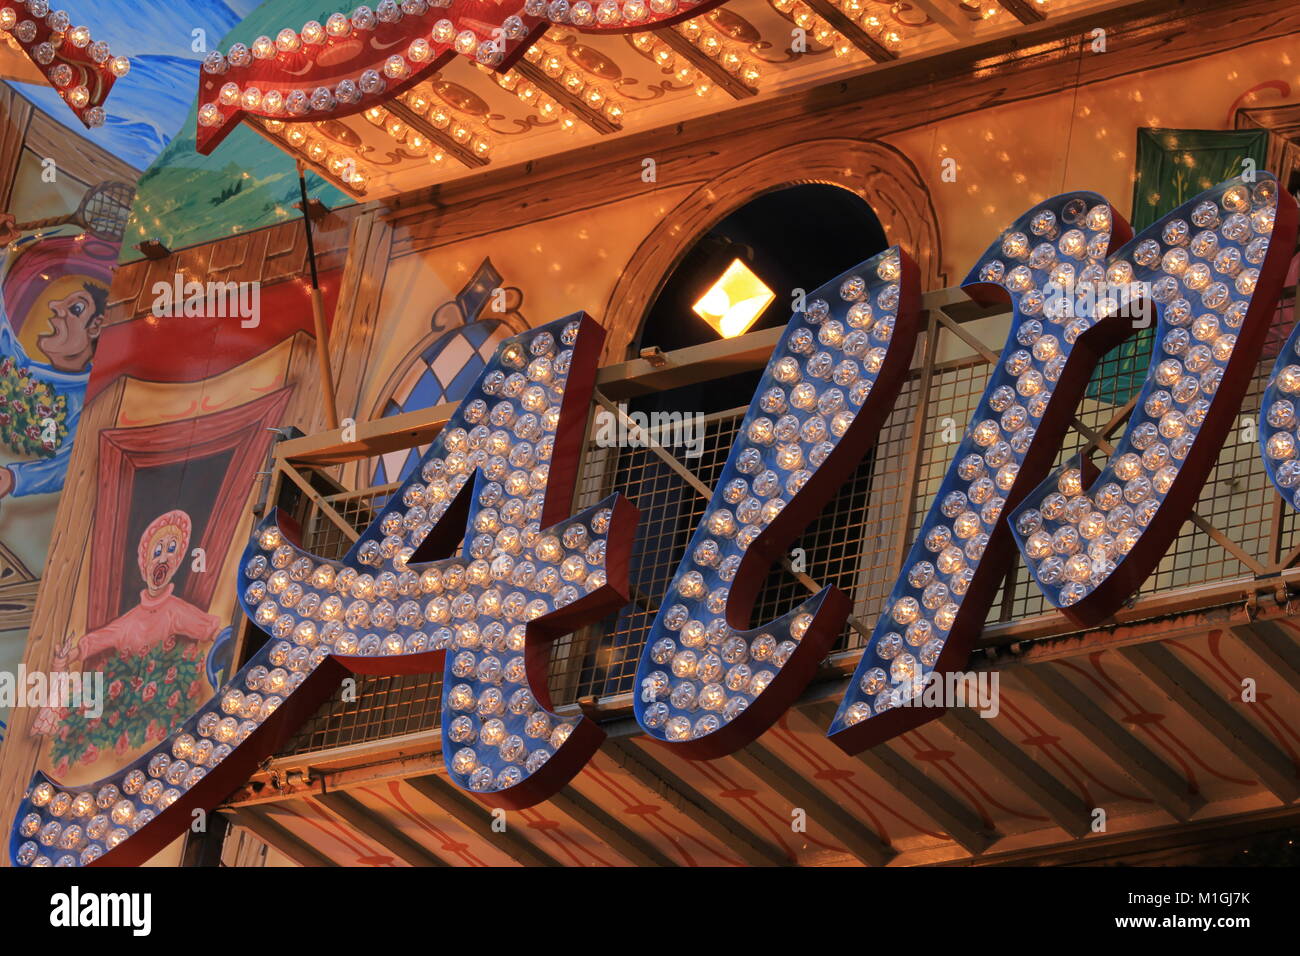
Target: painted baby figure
x,y
151,656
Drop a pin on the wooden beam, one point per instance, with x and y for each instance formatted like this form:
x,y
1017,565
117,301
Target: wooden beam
x,y
1074,706
560,93
318,500
1275,646
1158,664
369,824
945,15
627,842
688,801
959,821
466,157
1026,11
259,823
1025,773
15,114
734,86
851,31
856,836
373,437
477,818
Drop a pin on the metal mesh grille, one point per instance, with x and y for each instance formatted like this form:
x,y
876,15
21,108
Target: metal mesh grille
x,y
857,543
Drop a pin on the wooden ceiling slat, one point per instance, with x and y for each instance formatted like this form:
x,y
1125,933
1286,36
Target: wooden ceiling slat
x,y
961,822
361,818
603,826
574,104
685,799
1026,11
258,822
477,818
466,157
701,61
1025,773
1159,665
856,836
1072,705
1275,647
846,27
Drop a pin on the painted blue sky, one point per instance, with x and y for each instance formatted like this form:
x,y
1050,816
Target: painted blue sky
x,y
148,106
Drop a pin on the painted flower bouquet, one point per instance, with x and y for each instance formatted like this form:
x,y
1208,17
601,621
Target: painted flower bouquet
x,y
146,697
33,416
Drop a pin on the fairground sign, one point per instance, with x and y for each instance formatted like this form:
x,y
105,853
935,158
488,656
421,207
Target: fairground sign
x,y
475,565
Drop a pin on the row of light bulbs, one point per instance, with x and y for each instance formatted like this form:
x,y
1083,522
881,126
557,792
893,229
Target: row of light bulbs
x,y
821,32
704,36
342,167
314,38
574,80
441,116
607,13
856,10
653,48
532,96
23,19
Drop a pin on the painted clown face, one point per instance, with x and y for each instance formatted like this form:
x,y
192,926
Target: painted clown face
x,y
162,548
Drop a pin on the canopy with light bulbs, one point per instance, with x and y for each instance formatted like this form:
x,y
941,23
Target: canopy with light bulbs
x,y
405,94
68,57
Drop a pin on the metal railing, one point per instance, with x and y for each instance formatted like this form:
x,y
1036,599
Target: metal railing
x,y
1240,532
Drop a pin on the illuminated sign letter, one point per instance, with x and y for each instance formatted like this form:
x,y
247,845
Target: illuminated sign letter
x,y
1279,420
707,683
1043,263
505,463
1214,268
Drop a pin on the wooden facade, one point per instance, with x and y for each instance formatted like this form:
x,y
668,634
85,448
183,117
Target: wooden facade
x,y
1014,790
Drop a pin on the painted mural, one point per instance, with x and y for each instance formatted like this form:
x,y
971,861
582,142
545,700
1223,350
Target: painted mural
x,y
54,301
185,198
166,494
61,224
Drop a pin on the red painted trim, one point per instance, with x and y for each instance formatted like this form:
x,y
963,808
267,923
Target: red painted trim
x,y
193,349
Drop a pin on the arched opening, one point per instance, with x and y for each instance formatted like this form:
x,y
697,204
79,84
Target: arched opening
x,y
793,237
884,178
796,237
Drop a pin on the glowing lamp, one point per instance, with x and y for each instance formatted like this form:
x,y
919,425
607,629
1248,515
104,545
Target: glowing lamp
x,y
735,301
